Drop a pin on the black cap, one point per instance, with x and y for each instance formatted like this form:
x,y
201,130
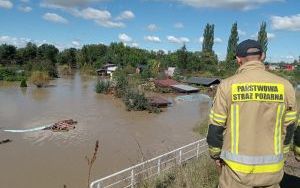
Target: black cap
x,y
243,48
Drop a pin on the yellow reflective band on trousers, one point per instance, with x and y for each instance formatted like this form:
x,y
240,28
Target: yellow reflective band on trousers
x,y
255,169
235,124
278,129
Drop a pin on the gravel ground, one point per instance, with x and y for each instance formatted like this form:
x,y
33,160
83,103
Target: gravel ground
x,y
291,177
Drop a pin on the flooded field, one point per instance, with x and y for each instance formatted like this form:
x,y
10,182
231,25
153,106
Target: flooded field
x,y
50,159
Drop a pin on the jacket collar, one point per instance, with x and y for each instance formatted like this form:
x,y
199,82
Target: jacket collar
x,y
251,65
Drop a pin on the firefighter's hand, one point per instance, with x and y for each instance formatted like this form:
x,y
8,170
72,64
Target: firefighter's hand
x,y
219,163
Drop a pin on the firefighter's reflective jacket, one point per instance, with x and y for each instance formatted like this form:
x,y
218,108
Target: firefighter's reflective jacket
x,y
252,122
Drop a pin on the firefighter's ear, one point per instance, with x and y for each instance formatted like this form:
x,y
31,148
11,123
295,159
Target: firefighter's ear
x,y
263,57
238,60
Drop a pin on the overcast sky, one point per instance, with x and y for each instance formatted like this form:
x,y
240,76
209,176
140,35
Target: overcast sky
x,y
150,24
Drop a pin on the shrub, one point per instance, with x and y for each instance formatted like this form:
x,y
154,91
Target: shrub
x,y
103,86
135,101
40,79
121,83
23,83
65,70
11,74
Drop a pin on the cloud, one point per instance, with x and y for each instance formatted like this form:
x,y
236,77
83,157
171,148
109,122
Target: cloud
x,y
232,4
25,8
24,1
76,44
126,15
69,3
93,14
100,17
6,4
216,40
18,42
21,42
290,23
178,40
52,17
134,44
152,27
110,24
125,38
241,32
152,39
178,25
269,35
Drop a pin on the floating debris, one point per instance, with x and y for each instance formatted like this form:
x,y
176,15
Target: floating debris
x,y
61,126
5,141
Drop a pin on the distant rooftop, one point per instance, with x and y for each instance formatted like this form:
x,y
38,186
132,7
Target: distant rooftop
x,y
203,81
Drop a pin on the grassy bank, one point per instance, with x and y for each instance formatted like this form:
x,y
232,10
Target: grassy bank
x,y
197,173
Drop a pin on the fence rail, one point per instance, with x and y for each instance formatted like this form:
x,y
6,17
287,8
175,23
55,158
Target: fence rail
x,y
131,176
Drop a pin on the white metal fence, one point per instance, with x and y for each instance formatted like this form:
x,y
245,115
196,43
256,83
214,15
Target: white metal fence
x,y
131,176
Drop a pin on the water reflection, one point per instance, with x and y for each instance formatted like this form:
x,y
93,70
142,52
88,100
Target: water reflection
x,y
40,94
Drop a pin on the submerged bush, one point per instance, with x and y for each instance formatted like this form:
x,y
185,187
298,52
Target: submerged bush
x,y
11,74
135,100
39,78
121,83
103,86
23,83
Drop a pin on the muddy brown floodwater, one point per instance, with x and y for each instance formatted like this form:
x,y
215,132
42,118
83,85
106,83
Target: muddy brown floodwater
x,y
46,159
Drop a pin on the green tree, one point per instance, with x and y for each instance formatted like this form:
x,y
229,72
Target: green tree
x,y
48,52
231,48
263,37
208,56
208,38
7,54
182,59
68,57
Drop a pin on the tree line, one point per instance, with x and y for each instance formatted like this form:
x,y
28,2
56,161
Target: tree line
x,y
46,57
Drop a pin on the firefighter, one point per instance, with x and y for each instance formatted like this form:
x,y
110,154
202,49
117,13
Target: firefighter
x,y
252,122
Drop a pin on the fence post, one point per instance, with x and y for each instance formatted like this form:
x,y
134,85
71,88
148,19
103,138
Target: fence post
x,y
132,179
198,147
158,166
180,156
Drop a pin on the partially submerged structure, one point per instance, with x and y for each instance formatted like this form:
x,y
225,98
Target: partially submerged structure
x,y
158,102
166,83
107,69
202,81
185,88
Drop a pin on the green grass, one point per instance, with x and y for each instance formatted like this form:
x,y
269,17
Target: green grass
x,y
195,174
201,128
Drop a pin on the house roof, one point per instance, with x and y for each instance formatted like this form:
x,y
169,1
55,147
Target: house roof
x,y
158,101
203,81
165,83
185,88
109,65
